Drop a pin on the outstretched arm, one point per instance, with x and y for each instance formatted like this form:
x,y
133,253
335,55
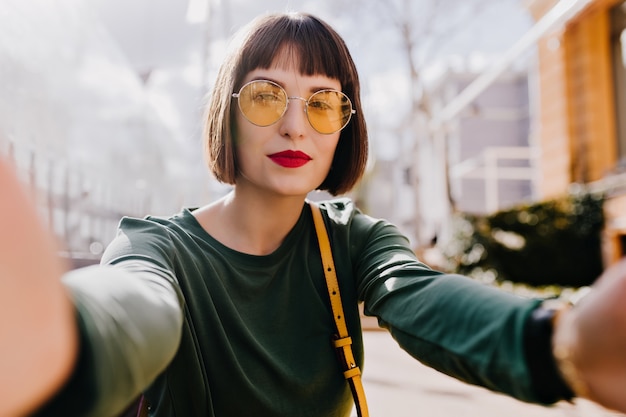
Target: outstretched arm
x,y
37,324
490,338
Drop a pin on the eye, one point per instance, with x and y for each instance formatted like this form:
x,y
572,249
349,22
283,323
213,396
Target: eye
x,y
267,97
326,100
320,105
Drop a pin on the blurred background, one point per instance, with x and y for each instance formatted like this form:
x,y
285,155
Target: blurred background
x,y
497,126
497,129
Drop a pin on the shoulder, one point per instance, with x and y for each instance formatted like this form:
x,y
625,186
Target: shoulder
x,y
343,212
158,225
148,235
339,210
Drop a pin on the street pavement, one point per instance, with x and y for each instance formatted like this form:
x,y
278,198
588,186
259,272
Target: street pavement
x,y
397,385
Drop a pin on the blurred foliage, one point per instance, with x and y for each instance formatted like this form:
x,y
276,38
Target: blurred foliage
x,y
556,242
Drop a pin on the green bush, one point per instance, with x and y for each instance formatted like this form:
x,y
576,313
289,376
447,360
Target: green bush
x,y
556,242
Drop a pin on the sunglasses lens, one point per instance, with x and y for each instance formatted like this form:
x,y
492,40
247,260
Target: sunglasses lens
x,y
329,111
262,103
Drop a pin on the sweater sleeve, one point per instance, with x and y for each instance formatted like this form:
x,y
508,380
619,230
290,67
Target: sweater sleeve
x,y
129,315
130,323
452,323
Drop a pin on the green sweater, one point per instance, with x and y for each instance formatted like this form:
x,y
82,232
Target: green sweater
x,y
229,334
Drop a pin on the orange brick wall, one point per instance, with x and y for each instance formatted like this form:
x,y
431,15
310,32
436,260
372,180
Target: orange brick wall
x,y
554,128
577,126
577,132
592,120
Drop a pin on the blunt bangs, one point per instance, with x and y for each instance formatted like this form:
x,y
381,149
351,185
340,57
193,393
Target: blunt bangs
x,y
300,39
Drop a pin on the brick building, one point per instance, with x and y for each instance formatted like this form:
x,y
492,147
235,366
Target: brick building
x,y
582,108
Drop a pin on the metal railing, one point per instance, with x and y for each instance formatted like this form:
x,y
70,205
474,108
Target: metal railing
x,y
81,208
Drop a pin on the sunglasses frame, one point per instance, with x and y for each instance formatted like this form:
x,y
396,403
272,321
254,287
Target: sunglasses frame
x,y
288,98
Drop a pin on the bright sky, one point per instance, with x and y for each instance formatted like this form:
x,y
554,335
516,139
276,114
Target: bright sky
x,y
170,39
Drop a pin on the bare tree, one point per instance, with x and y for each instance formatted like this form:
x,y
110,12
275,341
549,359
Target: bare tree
x,y
423,29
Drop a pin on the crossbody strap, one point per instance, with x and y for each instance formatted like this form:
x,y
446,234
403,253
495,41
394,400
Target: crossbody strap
x,y
342,342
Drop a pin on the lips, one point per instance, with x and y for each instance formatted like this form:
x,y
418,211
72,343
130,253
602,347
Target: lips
x,y
290,159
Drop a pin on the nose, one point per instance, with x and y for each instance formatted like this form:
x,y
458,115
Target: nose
x,y
294,122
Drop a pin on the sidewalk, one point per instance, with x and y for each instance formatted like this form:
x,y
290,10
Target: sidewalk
x,y
397,385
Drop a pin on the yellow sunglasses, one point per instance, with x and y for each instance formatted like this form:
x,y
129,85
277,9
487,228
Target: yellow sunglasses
x,y
264,102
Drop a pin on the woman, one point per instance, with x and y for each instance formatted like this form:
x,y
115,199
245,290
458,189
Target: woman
x,y
223,310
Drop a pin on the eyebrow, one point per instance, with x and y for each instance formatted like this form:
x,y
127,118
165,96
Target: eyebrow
x,y
311,90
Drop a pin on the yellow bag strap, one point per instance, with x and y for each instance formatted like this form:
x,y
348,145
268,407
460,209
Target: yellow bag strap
x,y
342,342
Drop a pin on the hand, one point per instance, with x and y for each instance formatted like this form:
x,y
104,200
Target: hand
x,y
37,325
589,341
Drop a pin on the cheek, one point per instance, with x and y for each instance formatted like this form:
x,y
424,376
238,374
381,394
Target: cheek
x,y
328,147
237,125
243,133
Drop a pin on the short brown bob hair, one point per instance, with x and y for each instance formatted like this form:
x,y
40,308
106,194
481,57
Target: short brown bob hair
x,y
319,50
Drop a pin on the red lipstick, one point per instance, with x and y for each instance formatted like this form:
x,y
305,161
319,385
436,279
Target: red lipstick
x,y
290,159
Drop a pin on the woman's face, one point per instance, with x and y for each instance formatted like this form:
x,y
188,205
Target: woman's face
x,y
289,157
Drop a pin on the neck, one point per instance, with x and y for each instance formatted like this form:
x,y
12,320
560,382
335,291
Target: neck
x,y
250,224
